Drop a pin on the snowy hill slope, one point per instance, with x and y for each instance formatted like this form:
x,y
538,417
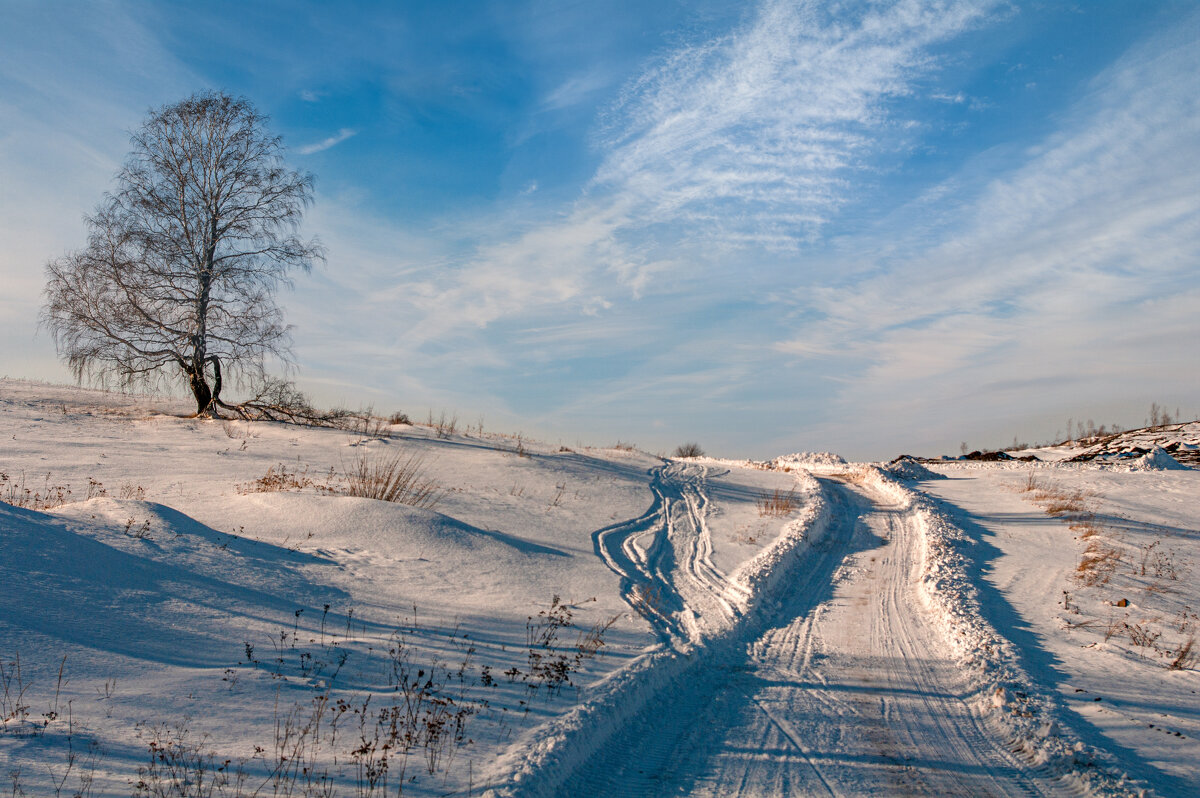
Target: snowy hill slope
x,y
201,602
209,576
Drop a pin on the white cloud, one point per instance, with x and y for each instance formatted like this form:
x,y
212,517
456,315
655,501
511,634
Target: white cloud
x,y
744,141
1077,272
325,144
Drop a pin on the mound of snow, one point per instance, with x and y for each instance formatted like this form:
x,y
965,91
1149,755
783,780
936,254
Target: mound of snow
x,y
1157,459
910,470
808,458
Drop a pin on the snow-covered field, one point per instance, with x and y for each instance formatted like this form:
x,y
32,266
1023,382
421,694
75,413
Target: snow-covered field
x,y
197,608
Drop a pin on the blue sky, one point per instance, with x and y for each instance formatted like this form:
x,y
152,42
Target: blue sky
x,y
766,227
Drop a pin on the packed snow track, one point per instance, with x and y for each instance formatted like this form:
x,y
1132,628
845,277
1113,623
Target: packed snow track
x,y
664,559
843,688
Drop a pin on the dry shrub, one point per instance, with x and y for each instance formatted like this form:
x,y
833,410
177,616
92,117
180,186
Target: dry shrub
x,y
400,478
689,450
776,504
1143,636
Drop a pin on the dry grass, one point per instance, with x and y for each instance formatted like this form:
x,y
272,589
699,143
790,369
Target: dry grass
x,y
1054,498
400,478
776,504
281,478
1086,528
1070,504
856,476
48,496
1100,558
1098,563
1185,655
648,598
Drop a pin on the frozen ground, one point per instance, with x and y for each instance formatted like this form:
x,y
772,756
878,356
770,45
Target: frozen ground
x,y
181,588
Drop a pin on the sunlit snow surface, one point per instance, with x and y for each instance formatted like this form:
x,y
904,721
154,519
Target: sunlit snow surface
x,y
879,634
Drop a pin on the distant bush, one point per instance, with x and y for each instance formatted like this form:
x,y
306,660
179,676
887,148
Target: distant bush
x,y
399,418
689,450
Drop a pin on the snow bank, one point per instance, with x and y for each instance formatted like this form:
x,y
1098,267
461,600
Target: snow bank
x,y
1157,459
1006,694
910,470
803,459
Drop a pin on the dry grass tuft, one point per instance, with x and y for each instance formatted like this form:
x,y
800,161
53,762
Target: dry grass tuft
x,y
47,497
776,504
400,478
1086,529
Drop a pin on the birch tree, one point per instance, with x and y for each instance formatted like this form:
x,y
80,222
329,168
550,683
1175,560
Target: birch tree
x,y
183,259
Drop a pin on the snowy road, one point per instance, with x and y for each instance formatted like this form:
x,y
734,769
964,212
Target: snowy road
x,y
844,688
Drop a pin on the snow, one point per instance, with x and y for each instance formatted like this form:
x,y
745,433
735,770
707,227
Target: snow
x,y
799,625
1157,459
908,469
159,581
1070,633
804,459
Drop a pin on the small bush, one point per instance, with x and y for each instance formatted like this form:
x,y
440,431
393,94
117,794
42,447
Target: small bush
x,y
689,450
399,418
398,478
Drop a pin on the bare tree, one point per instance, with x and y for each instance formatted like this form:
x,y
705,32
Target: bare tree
x,y
179,274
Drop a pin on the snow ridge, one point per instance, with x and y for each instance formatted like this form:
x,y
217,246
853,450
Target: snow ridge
x,y
1006,694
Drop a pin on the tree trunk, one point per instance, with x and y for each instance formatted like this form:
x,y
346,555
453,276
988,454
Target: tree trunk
x,y
216,386
200,389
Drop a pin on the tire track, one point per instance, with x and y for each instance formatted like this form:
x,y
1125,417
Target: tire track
x,y
664,560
